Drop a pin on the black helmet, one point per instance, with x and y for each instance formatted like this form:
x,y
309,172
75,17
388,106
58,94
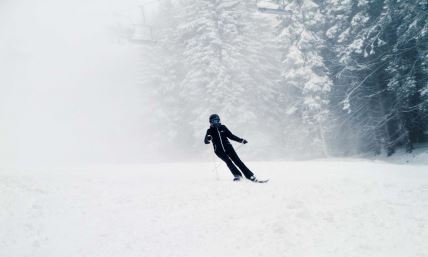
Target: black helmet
x,y
214,118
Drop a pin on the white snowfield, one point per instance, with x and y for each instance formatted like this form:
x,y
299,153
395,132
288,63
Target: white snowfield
x,y
338,208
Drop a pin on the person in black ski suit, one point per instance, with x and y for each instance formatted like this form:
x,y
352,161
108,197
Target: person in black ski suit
x,y
218,134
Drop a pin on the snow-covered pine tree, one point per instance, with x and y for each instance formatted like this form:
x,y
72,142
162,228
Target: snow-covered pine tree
x,y
304,79
337,15
228,68
365,100
407,67
380,93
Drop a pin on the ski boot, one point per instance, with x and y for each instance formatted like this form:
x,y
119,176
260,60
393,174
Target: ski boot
x,y
253,178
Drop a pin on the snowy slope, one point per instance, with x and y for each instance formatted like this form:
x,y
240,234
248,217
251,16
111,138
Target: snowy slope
x,y
319,208
418,156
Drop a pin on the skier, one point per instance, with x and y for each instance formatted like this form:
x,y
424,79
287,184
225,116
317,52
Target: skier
x,y
219,134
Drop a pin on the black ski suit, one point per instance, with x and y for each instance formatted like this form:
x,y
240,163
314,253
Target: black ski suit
x,y
224,149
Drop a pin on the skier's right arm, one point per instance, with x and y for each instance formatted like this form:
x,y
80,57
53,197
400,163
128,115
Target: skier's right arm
x,y
207,138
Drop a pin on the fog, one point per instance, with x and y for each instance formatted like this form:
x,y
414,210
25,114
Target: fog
x,y
68,87
78,86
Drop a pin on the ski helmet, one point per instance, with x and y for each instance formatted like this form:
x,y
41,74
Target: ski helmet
x,y
214,118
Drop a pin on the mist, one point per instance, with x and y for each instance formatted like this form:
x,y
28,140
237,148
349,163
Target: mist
x,y
69,88
98,82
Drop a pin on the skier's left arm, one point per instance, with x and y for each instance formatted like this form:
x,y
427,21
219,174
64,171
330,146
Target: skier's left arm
x,y
233,137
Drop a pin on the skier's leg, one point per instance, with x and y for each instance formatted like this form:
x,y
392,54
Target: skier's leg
x,y
235,158
229,164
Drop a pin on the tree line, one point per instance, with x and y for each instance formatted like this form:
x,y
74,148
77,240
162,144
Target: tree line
x,y
326,78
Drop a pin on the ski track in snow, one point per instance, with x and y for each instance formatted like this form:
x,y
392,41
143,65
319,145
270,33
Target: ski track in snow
x,y
316,208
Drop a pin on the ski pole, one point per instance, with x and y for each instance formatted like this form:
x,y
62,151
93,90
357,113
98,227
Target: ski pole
x,y
237,148
216,168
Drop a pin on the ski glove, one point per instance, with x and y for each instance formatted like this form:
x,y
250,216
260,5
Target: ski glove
x,y
244,141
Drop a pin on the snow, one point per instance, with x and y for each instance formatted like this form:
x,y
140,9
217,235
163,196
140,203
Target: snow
x,y
73,91
419,156
314,208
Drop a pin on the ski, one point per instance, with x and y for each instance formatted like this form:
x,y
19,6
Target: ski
x,y
261,181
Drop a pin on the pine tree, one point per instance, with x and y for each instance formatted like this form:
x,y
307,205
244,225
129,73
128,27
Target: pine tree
x,y
227,68
212,56
407,69
372,41
305,82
